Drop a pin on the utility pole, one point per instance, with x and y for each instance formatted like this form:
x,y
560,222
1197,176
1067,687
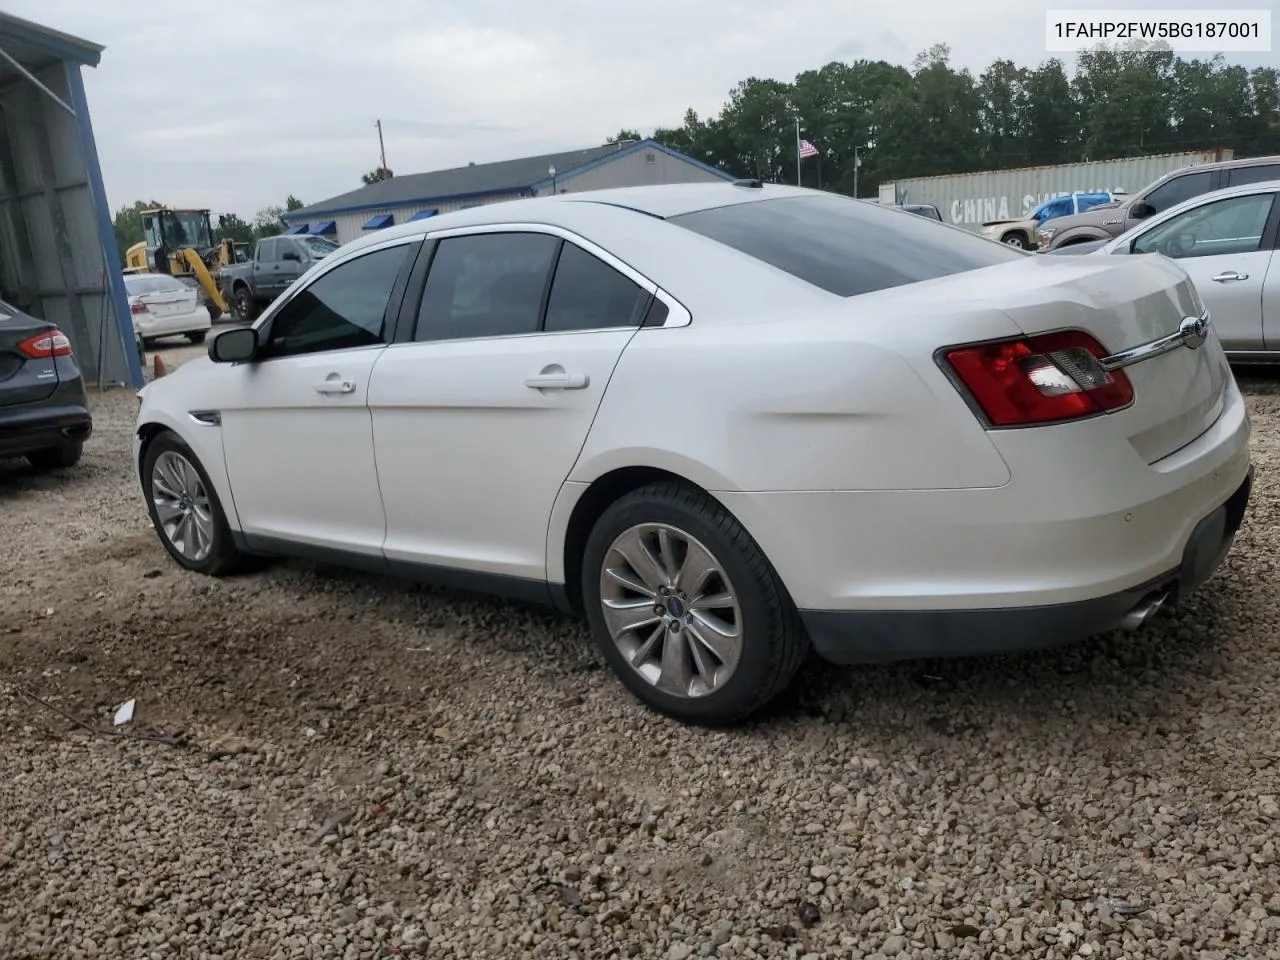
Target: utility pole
x,y
797,151
856,164
382,150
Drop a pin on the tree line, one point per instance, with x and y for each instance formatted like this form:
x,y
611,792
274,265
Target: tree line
x,y
934,119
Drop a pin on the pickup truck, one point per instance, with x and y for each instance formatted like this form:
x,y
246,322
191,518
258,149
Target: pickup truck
x,y
276,263
1108,220
1025,233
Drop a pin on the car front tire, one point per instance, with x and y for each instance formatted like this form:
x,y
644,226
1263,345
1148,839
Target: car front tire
x,y
185,509
685,607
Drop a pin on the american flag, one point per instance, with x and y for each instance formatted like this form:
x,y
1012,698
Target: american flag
x,y
807,149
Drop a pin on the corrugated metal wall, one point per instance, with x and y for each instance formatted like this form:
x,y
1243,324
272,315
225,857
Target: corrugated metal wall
x,y
971,199
51,260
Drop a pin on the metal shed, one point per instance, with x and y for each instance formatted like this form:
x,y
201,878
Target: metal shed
x,y
58,255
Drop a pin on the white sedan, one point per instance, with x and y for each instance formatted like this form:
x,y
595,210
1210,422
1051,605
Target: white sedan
x,y
725,422
164,306
1228,242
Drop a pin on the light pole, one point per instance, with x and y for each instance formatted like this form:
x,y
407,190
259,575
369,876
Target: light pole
x,y
551,172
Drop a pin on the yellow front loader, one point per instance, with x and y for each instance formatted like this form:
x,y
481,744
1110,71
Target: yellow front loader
x,y
180,243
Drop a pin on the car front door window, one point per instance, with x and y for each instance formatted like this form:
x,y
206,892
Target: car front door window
x,y
1231,226
344,308
1177,190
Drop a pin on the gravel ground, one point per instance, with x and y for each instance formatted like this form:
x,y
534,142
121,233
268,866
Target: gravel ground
x,y
370,769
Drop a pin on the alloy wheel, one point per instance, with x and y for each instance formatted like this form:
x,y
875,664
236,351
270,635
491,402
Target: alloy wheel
x,y
671,609
182,505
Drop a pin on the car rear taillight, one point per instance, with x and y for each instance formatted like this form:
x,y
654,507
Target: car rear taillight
x,y
136,307
51,343
1041,379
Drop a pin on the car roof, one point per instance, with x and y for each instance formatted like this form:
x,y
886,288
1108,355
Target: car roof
x,y
1235,164
674,199
1222,193
657,201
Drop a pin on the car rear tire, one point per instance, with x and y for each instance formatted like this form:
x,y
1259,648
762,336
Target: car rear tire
x,y
244,307
196,336
185,509
685,607
56,458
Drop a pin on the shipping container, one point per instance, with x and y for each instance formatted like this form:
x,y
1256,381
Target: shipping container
x,y
970,200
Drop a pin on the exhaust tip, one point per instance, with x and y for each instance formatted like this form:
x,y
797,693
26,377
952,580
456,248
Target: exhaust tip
x,y
1144,611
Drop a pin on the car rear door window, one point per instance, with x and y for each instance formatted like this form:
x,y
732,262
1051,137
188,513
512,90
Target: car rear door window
x,y
588,294
486,285
1256,174
344,308
845,246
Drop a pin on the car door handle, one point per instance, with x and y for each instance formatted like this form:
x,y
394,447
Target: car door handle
x,y
1228,276
558,381
335,386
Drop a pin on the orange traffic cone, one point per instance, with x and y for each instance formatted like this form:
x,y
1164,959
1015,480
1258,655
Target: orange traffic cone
x,y
159,366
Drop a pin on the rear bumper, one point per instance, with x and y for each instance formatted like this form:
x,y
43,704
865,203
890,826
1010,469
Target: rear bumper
x,y
30,428
872,636
192,322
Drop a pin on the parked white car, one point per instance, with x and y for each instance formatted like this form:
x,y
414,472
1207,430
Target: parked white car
x,y
164,306
1228,242
725,422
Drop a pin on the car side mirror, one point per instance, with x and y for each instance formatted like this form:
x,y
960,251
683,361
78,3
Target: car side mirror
x,y
234,346
1141,210
293,255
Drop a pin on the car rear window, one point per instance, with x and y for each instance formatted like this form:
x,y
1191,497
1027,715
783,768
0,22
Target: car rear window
x,y
141,286
845,246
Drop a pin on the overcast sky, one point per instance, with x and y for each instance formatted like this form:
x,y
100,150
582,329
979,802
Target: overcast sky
x,y
246,101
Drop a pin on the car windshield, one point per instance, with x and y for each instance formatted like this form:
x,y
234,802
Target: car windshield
x,y
843,246
317,246
140,286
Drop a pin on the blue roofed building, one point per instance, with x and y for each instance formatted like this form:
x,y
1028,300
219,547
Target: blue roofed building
x,y
421,195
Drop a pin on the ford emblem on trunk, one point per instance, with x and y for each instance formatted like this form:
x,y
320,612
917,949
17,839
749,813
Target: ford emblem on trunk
x,y
1194,331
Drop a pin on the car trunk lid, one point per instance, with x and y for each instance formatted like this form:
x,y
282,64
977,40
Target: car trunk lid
x,y
1124,303
170,303
23,379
